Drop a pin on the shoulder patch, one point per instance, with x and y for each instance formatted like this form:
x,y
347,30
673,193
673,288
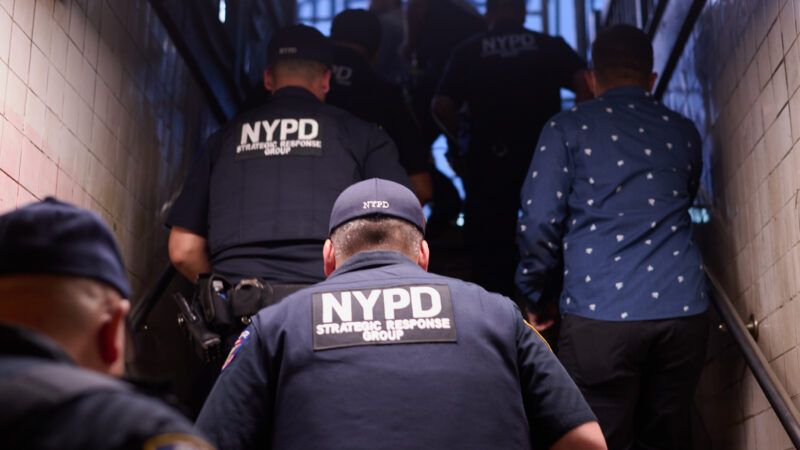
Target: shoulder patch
x,y
538,334
176,441
386,315
236,347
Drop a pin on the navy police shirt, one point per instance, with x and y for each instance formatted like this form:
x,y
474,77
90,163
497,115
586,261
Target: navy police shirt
x,y
49,403
510,79
383,355
357,88
262,190
610,186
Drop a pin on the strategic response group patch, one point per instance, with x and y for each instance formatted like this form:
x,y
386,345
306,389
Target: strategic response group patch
x,y
280,137
393,315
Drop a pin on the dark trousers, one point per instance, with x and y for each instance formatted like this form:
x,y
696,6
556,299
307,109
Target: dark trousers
x,y
491,212
638,377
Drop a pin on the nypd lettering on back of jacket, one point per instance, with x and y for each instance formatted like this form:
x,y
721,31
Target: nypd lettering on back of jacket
x,y
508,45
280,137
276,170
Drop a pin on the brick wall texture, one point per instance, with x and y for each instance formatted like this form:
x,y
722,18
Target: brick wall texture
x,y
98,109
744,64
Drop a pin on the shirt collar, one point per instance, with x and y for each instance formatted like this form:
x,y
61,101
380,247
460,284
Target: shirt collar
x,y
18,341
368,260
626,91
295,92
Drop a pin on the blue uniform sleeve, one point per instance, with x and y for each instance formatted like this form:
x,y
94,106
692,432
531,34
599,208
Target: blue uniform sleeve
x,y
237,413
553,403
190,209
544,210
382,159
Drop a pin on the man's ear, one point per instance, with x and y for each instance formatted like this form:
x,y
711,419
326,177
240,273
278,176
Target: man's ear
x,y
651,82
111,339
424,255
269,80
591,81
325,83
328,257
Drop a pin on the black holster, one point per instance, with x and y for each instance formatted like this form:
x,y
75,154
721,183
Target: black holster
x,y
219,310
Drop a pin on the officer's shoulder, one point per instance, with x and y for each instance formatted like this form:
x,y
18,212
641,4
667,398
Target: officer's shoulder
x,y
125,417
347,122
468,46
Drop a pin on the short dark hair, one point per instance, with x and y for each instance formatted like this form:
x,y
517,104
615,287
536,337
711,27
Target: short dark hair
x,y
508,5
304,68
376,232
622,52
359,27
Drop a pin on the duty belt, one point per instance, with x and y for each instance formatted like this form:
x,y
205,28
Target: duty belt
x,y
219,310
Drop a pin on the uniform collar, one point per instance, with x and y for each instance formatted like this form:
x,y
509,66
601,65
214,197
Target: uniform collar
x,y
626,91
295,92
369,260
18,341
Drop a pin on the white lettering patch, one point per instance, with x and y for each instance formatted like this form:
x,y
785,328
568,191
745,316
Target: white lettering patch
x,y
508,45
342,75
393,315
280,137
370,204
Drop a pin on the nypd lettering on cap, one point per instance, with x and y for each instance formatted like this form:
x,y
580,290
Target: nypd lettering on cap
x,y
280,137
380,204
391,315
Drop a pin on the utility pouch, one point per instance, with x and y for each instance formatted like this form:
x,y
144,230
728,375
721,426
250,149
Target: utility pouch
x,y
206,343
212,295
248,297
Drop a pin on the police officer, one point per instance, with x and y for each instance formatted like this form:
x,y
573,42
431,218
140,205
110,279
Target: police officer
x,y
356,87
63,288
508,79
256,201
384,355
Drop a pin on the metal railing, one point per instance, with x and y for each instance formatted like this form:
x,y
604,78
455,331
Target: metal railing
x,y
776,393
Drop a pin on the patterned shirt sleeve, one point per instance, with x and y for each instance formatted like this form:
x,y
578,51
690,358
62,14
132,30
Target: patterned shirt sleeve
x,y
544,211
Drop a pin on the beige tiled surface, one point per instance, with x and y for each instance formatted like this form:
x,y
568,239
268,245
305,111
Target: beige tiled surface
x,y
86,115
752,245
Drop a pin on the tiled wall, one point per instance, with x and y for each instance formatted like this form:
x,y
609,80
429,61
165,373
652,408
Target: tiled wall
x,y
739,80
97,108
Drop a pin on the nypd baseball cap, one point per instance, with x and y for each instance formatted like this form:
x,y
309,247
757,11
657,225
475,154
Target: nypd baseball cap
x,y
377,197
56,238
299,42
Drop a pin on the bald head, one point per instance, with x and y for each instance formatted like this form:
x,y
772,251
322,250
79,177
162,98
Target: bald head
x,y
83,316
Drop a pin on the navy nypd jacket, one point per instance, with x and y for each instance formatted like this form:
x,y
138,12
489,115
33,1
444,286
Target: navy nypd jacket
x,y
383,355
262,190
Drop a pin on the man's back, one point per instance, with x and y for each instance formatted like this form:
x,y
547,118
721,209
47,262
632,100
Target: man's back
x,y
358,89
510,78
414,360
621,190
263,188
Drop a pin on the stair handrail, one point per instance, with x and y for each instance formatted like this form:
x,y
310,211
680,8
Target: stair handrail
x,y
770,384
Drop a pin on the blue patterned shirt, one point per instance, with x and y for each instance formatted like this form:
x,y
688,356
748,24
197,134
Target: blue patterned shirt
x,y
608,190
